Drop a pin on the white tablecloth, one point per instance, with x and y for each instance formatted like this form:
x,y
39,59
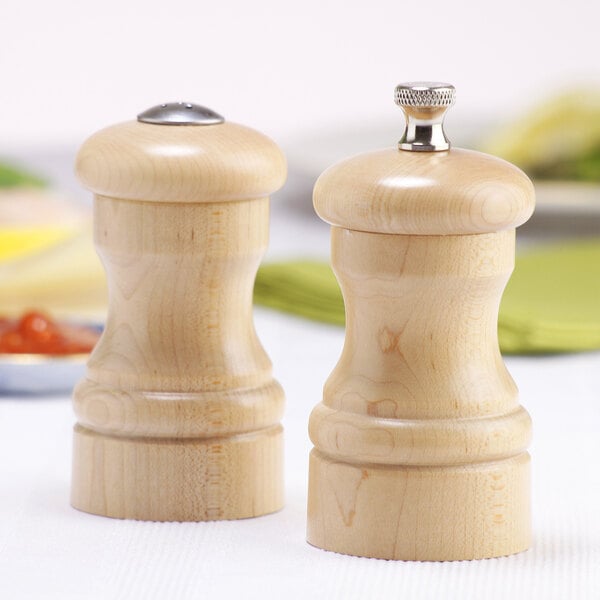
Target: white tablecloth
x,y
50,551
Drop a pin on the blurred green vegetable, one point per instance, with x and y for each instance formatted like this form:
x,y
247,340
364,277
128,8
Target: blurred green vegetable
x,y
13,177
559,139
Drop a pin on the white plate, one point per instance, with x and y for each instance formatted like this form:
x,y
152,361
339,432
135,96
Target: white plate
x,y
39,373
568,197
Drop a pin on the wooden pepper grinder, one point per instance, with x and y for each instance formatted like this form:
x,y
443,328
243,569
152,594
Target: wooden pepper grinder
x,y
178,415
420,442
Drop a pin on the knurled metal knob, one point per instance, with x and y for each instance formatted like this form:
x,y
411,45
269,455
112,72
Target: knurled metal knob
x,y
424,104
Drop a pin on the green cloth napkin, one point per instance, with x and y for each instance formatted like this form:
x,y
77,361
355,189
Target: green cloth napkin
x,y
551,304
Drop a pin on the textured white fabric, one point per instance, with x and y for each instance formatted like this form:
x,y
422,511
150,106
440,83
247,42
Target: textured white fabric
x,y
50,551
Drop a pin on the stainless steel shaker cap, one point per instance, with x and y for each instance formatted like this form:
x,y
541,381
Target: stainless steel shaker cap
x,y
180,113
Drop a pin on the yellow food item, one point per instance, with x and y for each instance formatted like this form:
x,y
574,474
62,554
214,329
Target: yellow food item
x,y
19,241
63,278
47,257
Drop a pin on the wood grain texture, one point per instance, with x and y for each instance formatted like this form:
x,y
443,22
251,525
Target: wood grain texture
x,y
424,193
162,163
420,442
178,415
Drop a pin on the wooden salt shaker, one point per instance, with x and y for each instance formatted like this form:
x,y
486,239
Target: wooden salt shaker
x,y
420,442
178,415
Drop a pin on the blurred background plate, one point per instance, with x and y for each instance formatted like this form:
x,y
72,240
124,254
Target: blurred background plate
x,y
568,197
40,374
565,211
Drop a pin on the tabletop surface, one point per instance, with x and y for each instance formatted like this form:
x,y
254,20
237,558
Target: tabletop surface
x,y
49,550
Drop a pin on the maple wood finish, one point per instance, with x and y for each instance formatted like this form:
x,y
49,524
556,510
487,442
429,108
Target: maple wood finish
x,y
420,442
178,415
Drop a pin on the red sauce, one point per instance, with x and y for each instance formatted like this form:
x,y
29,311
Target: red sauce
x,y
37,333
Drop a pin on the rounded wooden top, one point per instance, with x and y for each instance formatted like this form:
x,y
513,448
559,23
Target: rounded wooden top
x,y
424,193
180,163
